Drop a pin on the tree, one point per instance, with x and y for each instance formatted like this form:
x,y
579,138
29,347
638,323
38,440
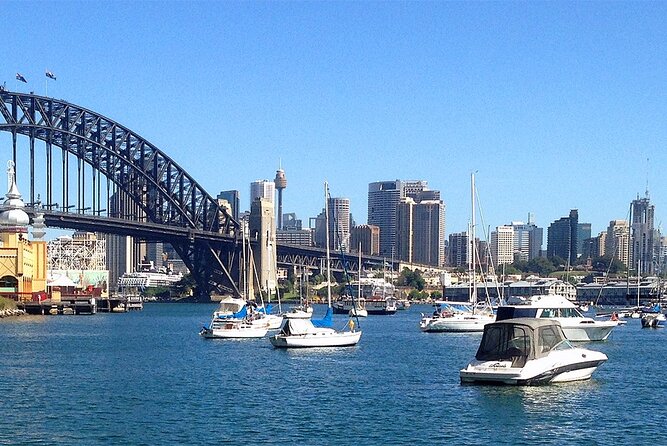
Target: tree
x,y
412,279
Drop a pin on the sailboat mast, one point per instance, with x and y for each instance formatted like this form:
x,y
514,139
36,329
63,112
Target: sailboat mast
x,y
473,295
326,219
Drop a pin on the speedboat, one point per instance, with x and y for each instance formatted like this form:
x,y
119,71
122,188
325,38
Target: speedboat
x,y
575,325
653,320
229,329
529,351
456,318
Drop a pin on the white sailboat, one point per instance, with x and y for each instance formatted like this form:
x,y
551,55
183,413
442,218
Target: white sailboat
x,y
235,317
463,320
304,333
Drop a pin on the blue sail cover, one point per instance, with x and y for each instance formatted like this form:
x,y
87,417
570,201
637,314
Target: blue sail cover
x,y
238,315
326,321
266,309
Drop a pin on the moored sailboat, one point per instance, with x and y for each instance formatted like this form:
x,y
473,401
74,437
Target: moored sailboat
x,y
304,333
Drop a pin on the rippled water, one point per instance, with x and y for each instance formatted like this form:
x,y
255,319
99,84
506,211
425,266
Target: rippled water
x,y
148,378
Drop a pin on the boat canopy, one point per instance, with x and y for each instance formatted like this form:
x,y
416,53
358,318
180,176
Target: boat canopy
x,y
520,340
231,307
326,321
298,327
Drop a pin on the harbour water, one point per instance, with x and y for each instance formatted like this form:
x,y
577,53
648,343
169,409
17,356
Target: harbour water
x,y
145,378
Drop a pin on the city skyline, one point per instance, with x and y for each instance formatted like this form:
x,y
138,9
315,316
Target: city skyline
x,y
556,106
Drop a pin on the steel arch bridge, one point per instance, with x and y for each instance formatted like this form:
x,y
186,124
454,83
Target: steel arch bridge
x,y
143,184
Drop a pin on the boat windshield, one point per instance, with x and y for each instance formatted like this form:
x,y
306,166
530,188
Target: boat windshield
x,y
560,312
503,342
551,338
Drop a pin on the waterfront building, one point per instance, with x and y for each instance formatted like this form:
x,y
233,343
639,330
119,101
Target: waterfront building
x,y
522,288
82,259
231,200
562,238
23,270
617,241
369,238
502,245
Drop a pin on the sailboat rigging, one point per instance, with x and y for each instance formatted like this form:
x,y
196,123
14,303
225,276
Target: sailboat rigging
x,y
303,333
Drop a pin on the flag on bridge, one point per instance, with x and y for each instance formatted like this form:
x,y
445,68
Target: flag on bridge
x,y
20,77
50,75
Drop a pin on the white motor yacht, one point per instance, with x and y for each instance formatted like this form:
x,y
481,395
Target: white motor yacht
x,y
575,325
456,318
529,351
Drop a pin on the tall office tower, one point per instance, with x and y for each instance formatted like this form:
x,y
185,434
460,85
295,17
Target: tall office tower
x,y
368,236
583,233
428,232
502,245
527,240
281,184
383,199
562,238
262,189
617,241
404,230
339,223
459,251
412,188
233,200
644,236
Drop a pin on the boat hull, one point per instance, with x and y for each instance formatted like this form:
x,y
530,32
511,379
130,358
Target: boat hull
x,y
598,331
321,339
234,333
471,323
535,372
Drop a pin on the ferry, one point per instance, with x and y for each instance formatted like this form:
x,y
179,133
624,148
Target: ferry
x,y
147,276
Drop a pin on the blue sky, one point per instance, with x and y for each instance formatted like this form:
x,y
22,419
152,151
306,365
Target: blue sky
x,y
555,105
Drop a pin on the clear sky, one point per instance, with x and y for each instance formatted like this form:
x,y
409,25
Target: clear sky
x,y
555,105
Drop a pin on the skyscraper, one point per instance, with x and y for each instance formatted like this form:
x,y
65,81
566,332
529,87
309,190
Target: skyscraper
x,y
383,199
232,197
645,239
262,189
562,238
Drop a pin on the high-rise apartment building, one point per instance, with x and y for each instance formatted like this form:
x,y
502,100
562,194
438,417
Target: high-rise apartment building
x,y
339,223
644,236
502,245
562,238
617,241
459,250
